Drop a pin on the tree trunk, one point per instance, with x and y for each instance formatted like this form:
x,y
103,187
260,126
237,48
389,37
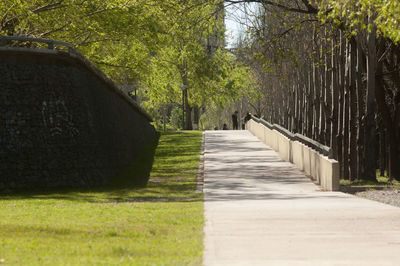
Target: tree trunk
x,y
382,151
303,117
328,92
188,113
335,100
316,86
353,148
370,124
310,102
345,133
390,125
341,69
196,116
361,69
322,100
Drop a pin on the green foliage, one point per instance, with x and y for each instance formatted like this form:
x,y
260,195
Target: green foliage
x,y
161,224
159,44
119,36
354,13
176,118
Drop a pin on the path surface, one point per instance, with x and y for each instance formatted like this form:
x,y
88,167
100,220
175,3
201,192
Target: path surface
x,y
261,210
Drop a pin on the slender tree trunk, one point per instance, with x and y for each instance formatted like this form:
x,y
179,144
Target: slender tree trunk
x,y
292,106
387,154
188,113
346,106
361,68
295,93
382,151
353,148
370,124
316,86
196,116
328,91
310,102
303,118
187,107
341,69
304,102
322,100
335,100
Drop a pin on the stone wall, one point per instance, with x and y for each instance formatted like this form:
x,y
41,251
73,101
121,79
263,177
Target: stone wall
x,y
62,124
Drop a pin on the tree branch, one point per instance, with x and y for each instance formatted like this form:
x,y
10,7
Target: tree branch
x,y
309,9
48,7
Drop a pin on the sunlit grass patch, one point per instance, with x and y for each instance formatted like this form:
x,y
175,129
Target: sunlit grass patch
x,y
381,181
160,224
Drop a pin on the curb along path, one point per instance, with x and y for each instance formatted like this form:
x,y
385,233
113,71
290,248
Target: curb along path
x,y
261,210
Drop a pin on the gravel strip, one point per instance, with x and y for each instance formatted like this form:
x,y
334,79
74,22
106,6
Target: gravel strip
x,y
388,196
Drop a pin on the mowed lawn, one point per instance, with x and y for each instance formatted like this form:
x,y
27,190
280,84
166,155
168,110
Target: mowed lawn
x,y
160,224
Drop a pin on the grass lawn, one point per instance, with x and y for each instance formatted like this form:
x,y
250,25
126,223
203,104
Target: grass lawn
x,y
380,181
160,224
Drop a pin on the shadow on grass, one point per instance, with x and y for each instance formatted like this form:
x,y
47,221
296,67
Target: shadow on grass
x,y
138,173
105,196
132,184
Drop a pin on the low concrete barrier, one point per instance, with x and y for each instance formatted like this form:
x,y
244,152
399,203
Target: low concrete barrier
x,y
284,147
321,169
297,149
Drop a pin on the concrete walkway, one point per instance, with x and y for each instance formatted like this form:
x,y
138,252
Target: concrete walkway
x,y
261,210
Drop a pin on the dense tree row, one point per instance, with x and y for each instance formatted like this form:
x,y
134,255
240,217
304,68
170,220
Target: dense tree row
x,y
331,70
153,47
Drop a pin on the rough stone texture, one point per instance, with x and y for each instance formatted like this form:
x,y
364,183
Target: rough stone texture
x,y
61,124
388,196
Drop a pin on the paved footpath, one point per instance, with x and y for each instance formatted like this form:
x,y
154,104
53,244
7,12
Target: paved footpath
x,y
261,210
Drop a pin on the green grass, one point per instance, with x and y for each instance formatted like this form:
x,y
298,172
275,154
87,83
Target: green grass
x,y
380,181
160,224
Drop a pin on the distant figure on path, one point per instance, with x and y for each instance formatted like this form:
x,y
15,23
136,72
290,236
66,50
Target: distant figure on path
x,y
225,127
235,120
246,118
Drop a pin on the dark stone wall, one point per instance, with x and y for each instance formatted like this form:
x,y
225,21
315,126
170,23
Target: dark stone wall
x,y
62,124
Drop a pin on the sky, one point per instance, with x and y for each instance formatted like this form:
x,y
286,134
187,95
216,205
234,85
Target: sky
x,y
235,21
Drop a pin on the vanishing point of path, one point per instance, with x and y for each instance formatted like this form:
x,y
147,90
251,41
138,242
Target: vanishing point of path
x,y
261,210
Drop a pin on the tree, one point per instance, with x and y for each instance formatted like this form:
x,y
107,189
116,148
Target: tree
x,y
205,69
323,75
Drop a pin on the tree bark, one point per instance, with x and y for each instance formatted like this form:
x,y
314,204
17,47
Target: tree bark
x,y
353,147
370,124
322,100
196,117
188,113
328,90
316,86
345,133
382,151
334,99
310,102
361,69
341,69
390,124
